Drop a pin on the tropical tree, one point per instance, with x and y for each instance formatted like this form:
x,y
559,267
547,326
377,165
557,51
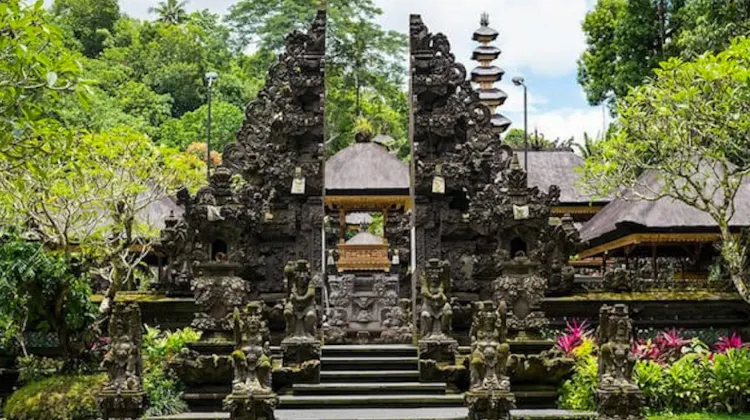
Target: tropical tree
x,y
91,200
90,21
36,70
170,11
686,131
589,148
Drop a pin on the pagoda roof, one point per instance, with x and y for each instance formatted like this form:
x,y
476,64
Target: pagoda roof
x,y
365,238
557,167
628,214
500,122
485,34
487,71
490,51
493,94
364,167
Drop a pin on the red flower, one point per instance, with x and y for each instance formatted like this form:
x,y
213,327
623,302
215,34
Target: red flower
x,y
725,343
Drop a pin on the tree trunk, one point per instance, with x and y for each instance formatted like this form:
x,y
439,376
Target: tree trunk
x,y
733,254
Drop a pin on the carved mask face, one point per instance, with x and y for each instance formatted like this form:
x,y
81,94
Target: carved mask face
x,y
433,277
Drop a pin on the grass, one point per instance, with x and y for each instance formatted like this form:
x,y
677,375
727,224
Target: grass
x,y
700,416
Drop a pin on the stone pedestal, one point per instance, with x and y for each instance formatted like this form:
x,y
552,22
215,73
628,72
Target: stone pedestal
x,y
437,360
122,405
301,362
489,405
247,406
620,403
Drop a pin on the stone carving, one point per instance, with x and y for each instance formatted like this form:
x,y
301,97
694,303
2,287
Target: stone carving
x,y
364,306
436,311
618,395
398,327
301,347
217,293
489,395
524,293
123,395
437,349
252,397
299,310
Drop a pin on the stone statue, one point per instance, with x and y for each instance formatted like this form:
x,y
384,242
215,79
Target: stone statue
x,y
252,397
437,349
436,312
397,323
489,395
301,347
618,395
299,310
123,395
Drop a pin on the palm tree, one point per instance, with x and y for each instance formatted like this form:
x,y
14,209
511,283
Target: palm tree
x,y
170,11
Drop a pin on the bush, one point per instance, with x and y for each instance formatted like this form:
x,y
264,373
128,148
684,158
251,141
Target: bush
x,y
35,368
579,393
649,376
164,390
729,380
685,384
57,398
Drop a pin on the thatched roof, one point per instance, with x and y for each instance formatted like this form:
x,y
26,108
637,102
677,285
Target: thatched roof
x,y
358,218
629,214
366,166
365,238
557,167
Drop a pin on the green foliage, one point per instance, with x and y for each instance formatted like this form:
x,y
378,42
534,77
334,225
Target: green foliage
x,y
192,126
579,392
649,376
684,384
35,72
39,290
516,139
729,380
56,398
35,368
170,11
90,21
163,389
702,108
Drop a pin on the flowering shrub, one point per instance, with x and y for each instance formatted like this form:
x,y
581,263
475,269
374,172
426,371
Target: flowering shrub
x,y
675,374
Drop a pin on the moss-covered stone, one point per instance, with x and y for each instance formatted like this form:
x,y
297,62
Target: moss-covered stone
x,y
57,398
657,295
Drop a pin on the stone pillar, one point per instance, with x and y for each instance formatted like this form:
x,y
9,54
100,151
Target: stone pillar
x,y
618,395
252,397
489,395
301,346
123,396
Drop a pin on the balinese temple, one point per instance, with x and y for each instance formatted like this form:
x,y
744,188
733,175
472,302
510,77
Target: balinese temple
x,y
363,182
648,235
485,75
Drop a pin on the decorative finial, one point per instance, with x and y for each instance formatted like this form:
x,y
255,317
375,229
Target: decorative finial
x,y
485,19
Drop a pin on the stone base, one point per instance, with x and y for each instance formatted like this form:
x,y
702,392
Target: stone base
x,y
437,360
620,403
195,369
489,405
121,405
300,362
255,406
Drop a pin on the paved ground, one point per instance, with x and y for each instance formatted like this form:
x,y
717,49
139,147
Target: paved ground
x,y
390,414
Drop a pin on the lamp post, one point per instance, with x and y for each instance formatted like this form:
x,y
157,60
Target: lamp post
x,y
519,81
210,79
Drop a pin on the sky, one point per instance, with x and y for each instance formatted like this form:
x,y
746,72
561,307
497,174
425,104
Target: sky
x,y
541,40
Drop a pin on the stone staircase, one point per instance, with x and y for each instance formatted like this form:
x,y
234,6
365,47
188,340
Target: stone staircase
x,y
369,376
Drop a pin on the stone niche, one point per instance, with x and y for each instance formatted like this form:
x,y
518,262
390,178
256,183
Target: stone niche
x,y
365,308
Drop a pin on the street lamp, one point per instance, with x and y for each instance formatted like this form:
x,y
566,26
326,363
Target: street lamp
x,y
519,81
210,79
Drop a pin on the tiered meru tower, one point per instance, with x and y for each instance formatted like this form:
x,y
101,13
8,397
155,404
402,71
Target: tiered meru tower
x,y
485,75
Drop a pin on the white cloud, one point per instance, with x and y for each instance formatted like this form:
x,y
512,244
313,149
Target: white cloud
x,y
543,36
564,123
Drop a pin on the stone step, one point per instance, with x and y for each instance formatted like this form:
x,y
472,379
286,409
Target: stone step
x,y
370,401
444,413
328,376
368,363
374,350
371,388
